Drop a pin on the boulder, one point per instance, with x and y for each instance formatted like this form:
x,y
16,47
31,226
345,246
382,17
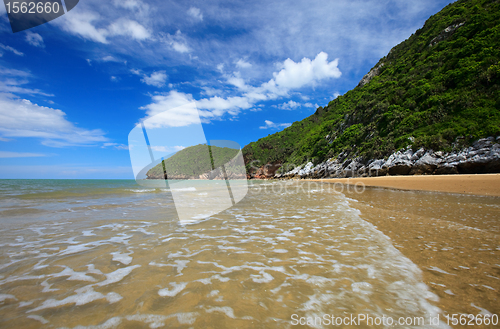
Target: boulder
x,y
446,169
401,167
425,165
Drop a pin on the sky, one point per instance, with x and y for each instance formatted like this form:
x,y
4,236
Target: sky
x,y
72,90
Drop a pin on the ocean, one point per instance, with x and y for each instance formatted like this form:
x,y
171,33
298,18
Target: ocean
x,y
113,254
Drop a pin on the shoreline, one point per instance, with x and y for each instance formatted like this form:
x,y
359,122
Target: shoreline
x,y
452,238
472,184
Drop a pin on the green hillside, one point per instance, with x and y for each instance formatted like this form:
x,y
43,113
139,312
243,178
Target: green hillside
x,y
194,161
439,89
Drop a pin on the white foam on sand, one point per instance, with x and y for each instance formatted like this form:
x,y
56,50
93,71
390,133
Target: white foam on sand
x,y
262,278
177,288
4,297
228,311
122,258
73,276
83,296
117,275
38,318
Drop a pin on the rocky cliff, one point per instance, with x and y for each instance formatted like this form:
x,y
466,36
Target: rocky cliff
x,y
482,157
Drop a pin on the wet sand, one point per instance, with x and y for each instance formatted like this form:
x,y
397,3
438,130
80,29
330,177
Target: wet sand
x,y
482,184
454,239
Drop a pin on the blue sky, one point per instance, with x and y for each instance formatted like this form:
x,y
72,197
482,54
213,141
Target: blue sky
x,y
71,90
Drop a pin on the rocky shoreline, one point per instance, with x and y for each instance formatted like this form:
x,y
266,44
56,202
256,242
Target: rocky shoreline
x,y
482,157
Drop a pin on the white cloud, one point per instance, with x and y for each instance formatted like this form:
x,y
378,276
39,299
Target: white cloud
x,y
272,125
110,58
177,42
9,48
156,79
6,154
115,145
22,118
306,72
241,63
195,13
177,115
128,4
335,95
290,105
113,78
83,23
129,28
215,107
220,67
14,79
34,39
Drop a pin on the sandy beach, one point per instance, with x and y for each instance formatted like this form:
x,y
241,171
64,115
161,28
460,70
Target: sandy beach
x,y
453,238
481,184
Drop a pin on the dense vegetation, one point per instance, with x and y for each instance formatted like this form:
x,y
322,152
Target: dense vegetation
x,y
439,89
194,161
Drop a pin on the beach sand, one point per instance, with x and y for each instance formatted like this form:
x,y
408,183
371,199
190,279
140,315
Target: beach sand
x,y
481,184
453,238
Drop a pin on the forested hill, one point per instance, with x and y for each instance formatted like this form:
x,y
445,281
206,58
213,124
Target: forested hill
x,y
192,162
439,89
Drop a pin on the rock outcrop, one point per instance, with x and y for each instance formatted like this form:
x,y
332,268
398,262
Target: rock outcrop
x,y
482,157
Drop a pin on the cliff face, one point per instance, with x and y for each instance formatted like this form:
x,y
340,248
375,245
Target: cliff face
x,y
439,90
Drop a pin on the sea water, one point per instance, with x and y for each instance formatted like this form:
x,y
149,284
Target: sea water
x,y
112,254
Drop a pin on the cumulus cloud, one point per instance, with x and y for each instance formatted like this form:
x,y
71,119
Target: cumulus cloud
x,y
306,72
22,118
290,105
156,79
271,125
170,110
195,13
215,107
34,39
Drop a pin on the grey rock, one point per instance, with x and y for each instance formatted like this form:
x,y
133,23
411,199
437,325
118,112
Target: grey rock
x,y
446,169
402,167
425,165
483,142
418,154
